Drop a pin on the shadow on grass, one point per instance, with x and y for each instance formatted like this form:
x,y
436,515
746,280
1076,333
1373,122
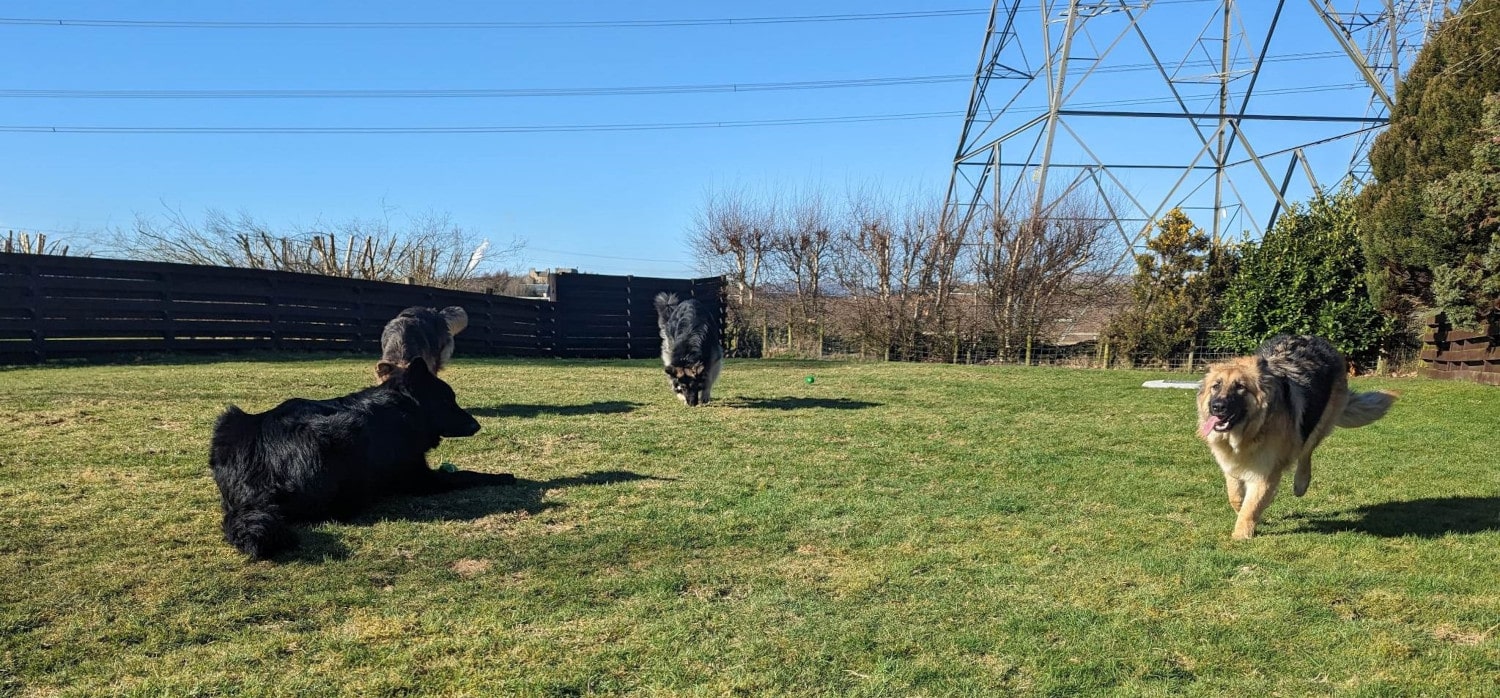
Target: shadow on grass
x,y
798,403
479,502
317,546
1424,518
527,411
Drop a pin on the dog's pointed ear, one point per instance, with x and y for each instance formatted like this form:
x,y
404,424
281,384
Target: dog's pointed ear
x,y
456,318
418,367
386,370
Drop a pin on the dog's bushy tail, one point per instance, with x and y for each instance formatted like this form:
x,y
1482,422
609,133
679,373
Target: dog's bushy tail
x,y
1364,408
253,523
255,527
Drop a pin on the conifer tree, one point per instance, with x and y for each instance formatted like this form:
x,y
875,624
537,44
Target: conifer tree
x,y
1174,291
1432,134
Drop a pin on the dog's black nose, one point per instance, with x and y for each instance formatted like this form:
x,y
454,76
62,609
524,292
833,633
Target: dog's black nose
x,y
1218,405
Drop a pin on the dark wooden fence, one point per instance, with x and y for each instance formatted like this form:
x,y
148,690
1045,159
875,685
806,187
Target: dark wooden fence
x,y
615,316
57,307
1461,355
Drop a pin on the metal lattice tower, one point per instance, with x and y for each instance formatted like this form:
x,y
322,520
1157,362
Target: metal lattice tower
x,y
1214,106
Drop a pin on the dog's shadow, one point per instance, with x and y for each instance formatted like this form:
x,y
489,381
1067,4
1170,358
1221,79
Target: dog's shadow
x,y
1423,518
529,411
798,403
316,546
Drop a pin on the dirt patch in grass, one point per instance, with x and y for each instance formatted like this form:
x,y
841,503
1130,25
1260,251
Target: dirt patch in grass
x,y
467,568
1459,636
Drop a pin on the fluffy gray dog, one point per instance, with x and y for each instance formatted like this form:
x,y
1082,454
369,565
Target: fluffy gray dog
x,y
690,347
425,333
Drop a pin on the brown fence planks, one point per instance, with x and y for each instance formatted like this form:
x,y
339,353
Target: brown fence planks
x,y
1466,355
56,307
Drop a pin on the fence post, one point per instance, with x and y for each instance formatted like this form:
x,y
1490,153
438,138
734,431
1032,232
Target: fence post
x,y
546,327
275,308
34,289
169,312
1027,360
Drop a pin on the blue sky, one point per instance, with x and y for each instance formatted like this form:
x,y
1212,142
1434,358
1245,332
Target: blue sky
x,y
606,201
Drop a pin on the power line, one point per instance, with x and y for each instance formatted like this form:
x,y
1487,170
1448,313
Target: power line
x,y
577,128
485,93
587,24
561,128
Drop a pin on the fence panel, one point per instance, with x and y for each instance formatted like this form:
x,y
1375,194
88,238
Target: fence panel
x,y
602,314
1450,354
55,307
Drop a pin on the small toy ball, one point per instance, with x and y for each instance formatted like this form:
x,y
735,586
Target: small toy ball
x,y
809,380
448,467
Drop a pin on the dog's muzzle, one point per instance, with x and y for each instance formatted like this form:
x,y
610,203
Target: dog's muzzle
x,y
1222,415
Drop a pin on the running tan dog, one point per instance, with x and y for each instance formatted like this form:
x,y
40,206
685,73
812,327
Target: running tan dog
x,y
1261,414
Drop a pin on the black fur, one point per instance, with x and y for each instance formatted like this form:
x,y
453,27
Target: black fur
x,y
308,460
692,352
1310,363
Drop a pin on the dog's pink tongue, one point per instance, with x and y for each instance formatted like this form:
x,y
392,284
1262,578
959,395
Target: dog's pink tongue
x,y
1208,425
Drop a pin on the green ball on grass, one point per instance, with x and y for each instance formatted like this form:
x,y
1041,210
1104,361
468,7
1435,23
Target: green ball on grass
x,y
809,380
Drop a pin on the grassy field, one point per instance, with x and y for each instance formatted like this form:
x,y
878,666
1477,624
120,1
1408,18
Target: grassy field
x,y
889,530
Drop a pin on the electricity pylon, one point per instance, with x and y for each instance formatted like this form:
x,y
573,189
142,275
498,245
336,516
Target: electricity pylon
x,y
1228,109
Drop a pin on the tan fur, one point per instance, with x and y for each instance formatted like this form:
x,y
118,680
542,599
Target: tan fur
x,y
1256,452
385,369
694,371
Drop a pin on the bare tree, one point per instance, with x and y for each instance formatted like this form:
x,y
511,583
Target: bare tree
x,y
900,268
800,245
732,236
500,283
1030,266
26,243
864,260
871,272
430,250
939,265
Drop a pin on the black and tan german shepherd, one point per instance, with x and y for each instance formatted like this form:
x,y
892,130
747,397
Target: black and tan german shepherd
x,y
1264,413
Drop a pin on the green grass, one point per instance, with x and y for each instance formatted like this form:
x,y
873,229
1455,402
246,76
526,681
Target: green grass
x,y
890,530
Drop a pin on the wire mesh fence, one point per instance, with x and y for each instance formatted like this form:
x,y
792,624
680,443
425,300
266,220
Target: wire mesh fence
x,y
1089,353
1083,354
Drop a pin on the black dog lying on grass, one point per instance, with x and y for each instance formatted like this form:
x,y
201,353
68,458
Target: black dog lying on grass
x,y
309,460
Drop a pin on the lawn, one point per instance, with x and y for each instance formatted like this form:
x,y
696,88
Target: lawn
x,y
888,530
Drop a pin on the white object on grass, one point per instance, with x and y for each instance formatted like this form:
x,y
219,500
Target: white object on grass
x,y
1187,385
